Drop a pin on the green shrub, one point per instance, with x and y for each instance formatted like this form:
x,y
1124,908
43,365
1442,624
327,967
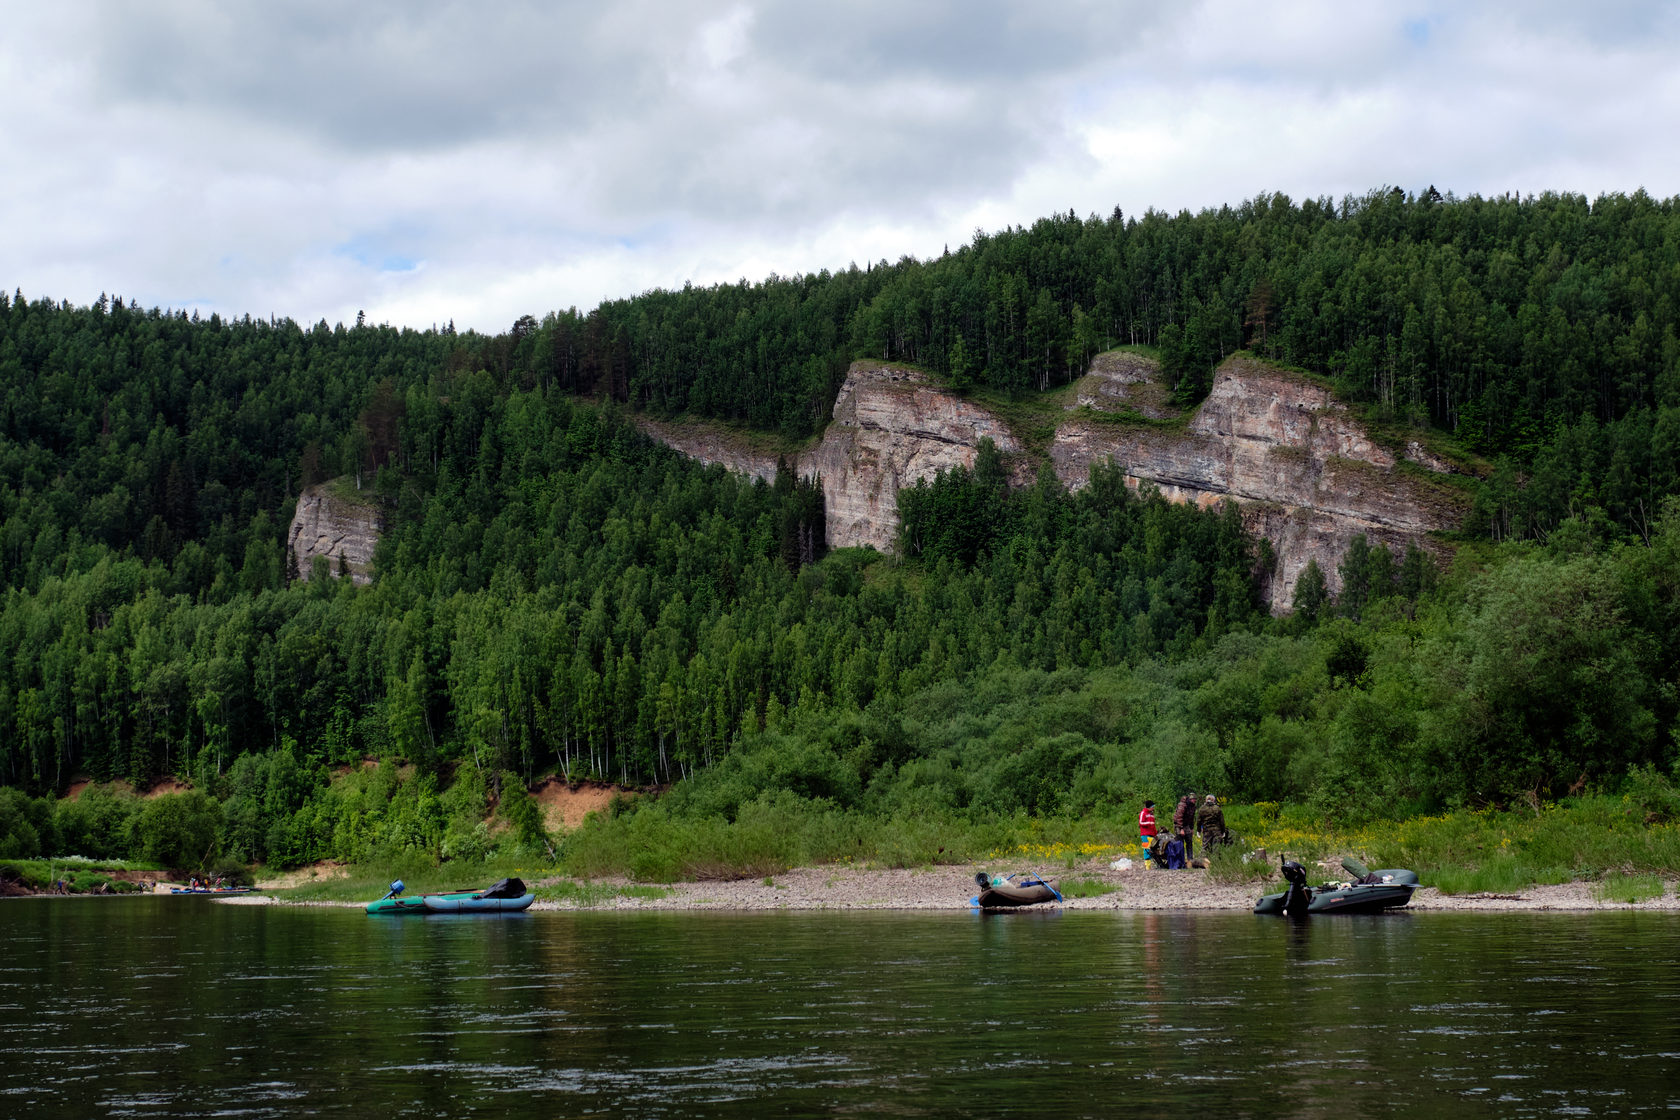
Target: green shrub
x,y
99,824
180,830
232,871
34,874
466,840
522,814
25,825
1653,794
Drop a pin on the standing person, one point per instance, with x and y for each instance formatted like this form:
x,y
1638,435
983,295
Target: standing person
x,y
1184,825
1210,822
1146,829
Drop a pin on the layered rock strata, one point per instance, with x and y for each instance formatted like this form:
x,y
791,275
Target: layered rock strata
x,y
716,445
1305,474
892,428
336,528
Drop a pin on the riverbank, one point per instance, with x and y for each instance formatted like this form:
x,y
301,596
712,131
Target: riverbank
x,y
947,888
950,887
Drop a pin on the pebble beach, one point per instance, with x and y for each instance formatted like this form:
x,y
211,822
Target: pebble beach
x,y
950,888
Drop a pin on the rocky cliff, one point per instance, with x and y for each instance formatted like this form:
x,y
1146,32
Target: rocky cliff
x,y
1305,473
892,427
336,527
718,445
1302,469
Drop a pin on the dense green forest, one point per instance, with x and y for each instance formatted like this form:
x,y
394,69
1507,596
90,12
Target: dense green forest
x,y
554,593
1545,330
1493,318
584,598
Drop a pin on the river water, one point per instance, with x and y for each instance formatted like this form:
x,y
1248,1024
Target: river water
x,y
185,1007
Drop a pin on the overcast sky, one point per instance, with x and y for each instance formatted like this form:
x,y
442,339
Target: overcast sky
x,y
477,162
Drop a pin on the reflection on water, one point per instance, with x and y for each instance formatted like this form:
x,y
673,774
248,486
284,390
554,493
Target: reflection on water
x,y
164,1007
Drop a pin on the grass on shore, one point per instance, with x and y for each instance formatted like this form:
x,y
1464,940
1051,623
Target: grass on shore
x,y
778,833
1628,843
1486,851
81,874
365,884
1469,851
1629,888
1085,888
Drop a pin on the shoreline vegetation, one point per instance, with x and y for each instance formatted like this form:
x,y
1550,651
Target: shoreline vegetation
x,y
1586,853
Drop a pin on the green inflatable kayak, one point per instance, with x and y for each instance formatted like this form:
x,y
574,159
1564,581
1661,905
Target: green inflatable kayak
x,y
505,896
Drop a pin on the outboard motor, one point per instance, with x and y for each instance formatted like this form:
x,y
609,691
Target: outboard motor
x,y
1296,900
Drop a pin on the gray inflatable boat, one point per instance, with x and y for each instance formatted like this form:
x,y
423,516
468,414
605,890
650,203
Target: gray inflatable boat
x,y
1368,892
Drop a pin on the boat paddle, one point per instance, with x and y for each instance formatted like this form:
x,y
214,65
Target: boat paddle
x,y
1045,883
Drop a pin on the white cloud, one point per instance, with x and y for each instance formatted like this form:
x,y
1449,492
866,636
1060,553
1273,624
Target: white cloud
x,y
434,161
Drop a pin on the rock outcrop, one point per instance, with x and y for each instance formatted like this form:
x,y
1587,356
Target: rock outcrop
x,y
892,427
1125,381
337,528
1304,472
716,445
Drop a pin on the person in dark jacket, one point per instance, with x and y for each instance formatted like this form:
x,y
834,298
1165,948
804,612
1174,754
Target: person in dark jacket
x,y
1184,824
1210,822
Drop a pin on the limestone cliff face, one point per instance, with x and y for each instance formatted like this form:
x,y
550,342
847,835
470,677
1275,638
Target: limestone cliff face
x,y
714,444
1303,471
1121,380
892,427
328,526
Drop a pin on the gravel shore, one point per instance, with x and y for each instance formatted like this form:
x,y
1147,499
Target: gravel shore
x,y
950,888
947,888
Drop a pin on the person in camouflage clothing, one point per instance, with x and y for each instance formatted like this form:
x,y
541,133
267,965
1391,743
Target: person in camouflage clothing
x,y
1210,823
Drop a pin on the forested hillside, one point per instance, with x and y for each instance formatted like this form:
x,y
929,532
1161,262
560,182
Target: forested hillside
x,y
561,591
1543,329
556,593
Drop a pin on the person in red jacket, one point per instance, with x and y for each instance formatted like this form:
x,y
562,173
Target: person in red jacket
x,y
1146,828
